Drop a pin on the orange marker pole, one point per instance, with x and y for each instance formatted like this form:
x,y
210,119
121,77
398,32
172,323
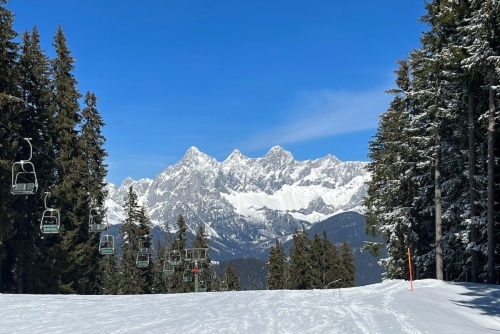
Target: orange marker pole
x,y
409,265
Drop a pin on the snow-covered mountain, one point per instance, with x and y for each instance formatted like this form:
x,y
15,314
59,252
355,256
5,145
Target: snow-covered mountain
x,y
245,203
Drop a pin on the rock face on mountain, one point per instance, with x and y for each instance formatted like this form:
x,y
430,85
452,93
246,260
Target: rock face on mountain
x,y
245,203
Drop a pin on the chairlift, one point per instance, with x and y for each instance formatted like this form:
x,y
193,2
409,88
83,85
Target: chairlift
x,y
168,269
145,245
107,244
187,275
202,287
97,221
51,220
142,260
24,181
224,286
174,258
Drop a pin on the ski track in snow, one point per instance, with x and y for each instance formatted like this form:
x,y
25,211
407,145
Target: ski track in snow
x,y
384,308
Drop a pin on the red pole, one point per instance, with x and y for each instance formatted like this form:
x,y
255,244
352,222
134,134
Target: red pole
x,y
409,265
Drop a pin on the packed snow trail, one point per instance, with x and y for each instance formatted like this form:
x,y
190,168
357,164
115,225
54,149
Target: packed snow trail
x,y
387,307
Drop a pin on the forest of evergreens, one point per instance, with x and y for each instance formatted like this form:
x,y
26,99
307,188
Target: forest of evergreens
x,y
435,156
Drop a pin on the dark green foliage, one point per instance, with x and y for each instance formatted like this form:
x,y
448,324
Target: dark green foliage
x,y
300,272
348,271
233,282
133,279
277,267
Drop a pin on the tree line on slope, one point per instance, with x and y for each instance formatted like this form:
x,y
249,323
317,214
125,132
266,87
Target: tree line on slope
x,y
434,158
311,264
39,100
160,274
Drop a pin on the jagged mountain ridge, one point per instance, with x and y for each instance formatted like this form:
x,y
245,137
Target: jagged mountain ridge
x,y
245,203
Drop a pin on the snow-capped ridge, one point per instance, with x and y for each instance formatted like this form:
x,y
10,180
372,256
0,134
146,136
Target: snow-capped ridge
x,y
246,202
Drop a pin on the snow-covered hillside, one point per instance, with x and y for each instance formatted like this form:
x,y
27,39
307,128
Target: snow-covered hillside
x,y
434,307
249,201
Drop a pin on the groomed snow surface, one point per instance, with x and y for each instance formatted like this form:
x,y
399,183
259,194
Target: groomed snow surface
x,y
387,307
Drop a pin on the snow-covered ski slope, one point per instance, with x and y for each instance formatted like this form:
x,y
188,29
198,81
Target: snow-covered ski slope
x,y
384,308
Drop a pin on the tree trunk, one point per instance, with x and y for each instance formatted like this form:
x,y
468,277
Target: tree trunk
x,y
491,181
437,202
472,190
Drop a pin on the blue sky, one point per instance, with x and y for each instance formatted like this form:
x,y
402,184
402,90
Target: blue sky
x,y
221,75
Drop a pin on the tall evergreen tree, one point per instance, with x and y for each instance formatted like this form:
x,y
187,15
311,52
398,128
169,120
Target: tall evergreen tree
x,y
300,262
348,265
132,280
277,267
10,120
233,281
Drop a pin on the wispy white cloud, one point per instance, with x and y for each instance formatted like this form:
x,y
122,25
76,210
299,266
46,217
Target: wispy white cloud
x,y
324,114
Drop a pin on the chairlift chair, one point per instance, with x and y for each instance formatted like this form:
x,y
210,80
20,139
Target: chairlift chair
x,y
51,219
187,275
97,223
174,258
224,286
107,244
142,260
145,245
24,181
168,269
202,287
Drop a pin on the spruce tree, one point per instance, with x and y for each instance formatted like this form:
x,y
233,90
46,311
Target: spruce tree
x,y
300,262
233,281
11,107
132,280
348,266
201,241
277,267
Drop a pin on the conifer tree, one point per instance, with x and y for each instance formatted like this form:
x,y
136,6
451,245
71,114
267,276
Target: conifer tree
x,y
349,266
10,120
35,121
132,280
201,241
300,262
181,280
277,267
233,281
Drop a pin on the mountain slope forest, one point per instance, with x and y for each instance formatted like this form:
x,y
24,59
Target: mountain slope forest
x,y
434,158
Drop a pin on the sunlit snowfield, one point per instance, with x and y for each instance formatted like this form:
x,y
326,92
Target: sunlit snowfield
x,y
387,307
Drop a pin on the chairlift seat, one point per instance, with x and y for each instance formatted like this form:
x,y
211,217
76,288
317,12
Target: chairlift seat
x,y
106,250
168,271
97,228
50,228
24,188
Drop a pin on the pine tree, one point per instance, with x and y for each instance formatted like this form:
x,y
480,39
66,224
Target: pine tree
x,y
132,280
233,282
10,120
348,265
277,267
300,262
201,241
332,266
182,278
